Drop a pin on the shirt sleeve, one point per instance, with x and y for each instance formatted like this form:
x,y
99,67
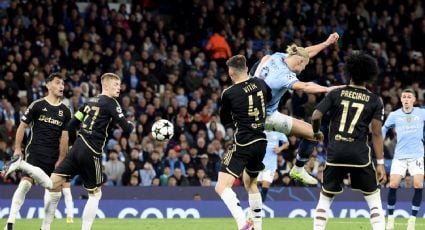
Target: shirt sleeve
x,y
289,79
118,117
225,111
67,115
31,113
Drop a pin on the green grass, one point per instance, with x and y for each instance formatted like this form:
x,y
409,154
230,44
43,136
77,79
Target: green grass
x,y
208,224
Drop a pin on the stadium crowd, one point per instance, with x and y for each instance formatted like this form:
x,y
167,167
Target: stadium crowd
x,y
170,55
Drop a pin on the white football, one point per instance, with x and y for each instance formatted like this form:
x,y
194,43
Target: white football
x,y
162,130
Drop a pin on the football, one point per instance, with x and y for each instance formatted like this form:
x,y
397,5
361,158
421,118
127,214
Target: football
x,y
162,130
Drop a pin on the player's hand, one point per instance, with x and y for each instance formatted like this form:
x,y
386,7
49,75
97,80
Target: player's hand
x,y
318,136
18,152
330,88
380,171
332,39
276,150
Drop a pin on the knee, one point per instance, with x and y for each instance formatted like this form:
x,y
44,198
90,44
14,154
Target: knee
x,y
418,185
219,188
394,185
95,193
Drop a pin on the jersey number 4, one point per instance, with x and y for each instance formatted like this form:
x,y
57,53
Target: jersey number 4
x,y
254,107
347,105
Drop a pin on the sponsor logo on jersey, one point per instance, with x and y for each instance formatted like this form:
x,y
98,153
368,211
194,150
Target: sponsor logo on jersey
x,y
44,109
50,120
60,113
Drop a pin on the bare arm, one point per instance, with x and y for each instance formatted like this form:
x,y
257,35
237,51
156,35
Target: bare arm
x,y
378,146
315,49
63,147
311,87
20,132
279,149
315,120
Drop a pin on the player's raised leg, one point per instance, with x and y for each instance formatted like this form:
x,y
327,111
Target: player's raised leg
x,y
304,130
39,176
285,124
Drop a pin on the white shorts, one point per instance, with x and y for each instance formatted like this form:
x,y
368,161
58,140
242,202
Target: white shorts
x,y
266,175
414,166
279,122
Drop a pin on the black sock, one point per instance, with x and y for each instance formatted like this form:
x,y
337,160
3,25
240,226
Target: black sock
x,y
392,197
305,149
416,201
264,194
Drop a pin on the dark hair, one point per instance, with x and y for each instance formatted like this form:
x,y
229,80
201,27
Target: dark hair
x,y
361,67
53,76
238,62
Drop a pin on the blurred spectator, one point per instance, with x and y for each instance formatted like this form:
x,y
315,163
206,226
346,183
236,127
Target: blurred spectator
x,y
114,169
181,179
130,170
147,174
218,48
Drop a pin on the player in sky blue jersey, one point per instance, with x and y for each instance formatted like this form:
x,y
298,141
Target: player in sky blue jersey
x,y
276,143
280,71
408,123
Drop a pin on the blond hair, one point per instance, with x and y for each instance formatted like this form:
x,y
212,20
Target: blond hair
x,y
107,76
297,50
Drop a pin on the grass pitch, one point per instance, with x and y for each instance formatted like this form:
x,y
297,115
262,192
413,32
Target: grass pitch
x,y
208,224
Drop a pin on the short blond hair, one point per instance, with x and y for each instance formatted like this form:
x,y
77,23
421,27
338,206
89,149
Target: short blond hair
x,y
108,76
297,50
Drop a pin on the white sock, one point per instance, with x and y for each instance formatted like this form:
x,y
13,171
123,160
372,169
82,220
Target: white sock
x,y
50,209
232,203
377,218
256,205
321,215
69,204
18,199
90,209
39,176
46,197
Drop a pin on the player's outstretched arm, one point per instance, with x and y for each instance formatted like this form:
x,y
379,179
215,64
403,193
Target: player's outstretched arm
x,y
315,49
311,87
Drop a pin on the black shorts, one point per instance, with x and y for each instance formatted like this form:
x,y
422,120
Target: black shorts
x,y
237,158
81,160
363,178
47,164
